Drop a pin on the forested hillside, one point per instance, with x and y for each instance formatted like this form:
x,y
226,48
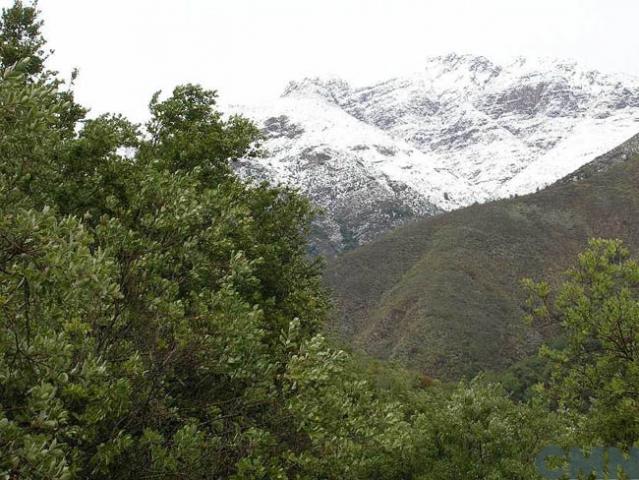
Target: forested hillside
x,y
444,294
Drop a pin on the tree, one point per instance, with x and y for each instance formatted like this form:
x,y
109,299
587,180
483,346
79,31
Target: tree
x,y
595,377
159,316
21,39
476,431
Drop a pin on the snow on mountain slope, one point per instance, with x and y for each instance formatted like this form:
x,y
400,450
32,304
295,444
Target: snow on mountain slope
x,y
361,177
589,139
462,130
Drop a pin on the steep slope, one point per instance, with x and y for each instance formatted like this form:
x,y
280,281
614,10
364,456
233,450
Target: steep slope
x,y
359,175
442,294
462,130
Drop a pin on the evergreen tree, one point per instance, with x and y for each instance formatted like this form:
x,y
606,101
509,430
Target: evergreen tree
x,y
595,377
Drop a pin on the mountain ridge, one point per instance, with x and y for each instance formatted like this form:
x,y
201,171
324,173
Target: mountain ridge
x,y
442,294
462,130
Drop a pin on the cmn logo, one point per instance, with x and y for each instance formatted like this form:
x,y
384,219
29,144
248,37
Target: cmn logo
x,y
554,462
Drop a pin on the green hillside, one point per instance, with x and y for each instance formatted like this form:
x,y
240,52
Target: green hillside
x,y
443,294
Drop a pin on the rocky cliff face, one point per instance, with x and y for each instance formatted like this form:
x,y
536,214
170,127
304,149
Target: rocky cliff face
x,y
462,130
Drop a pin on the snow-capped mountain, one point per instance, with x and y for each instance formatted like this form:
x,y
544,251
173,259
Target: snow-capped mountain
x,y
462,130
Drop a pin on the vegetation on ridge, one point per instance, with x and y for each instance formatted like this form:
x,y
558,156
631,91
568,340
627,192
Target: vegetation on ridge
x,y
443,295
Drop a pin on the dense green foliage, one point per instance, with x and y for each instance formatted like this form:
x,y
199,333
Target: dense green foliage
x,y
596,374
477,432
161,319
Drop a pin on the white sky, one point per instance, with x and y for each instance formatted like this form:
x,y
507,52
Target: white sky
x,y
249,49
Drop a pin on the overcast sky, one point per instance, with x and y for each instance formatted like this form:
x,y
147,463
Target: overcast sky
x,y
249,49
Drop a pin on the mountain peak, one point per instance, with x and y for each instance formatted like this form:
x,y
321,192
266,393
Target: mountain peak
x,y
461,59
332,89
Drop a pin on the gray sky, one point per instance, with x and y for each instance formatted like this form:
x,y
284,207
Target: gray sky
x,y
249,49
